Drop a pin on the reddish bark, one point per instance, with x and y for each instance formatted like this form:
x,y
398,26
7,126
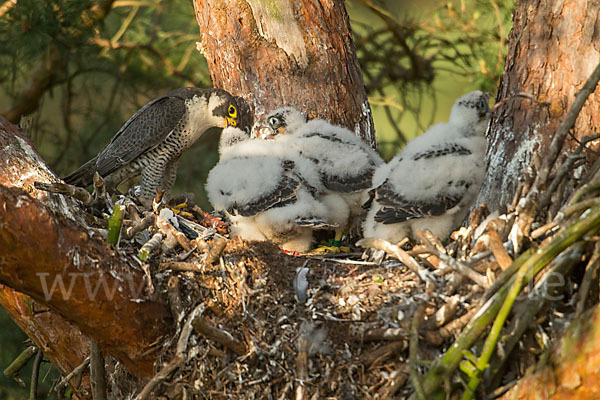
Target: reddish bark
x,y
287,53
45,242
572,370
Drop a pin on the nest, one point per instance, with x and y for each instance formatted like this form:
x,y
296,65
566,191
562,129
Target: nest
x,y
254,322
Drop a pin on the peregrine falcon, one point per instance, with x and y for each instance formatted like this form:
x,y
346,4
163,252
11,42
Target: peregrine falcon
x,y
152,140
434,180
267,191
345,163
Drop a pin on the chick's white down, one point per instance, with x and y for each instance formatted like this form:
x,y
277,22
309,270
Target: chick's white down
x,y
434,180
345,163
266,190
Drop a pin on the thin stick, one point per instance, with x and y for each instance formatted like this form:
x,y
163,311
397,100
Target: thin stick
x,y
39,357
413,350
456,265
75,192
76,372
97,372
591,272
397,253
179,358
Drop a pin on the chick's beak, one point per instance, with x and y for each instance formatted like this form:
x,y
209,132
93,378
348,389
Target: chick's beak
x,y
229,122
264,132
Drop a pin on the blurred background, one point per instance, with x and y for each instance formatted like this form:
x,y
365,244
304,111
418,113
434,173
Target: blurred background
x,y
98,61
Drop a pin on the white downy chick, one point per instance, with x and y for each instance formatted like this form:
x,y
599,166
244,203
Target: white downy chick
x,y
433,181
266,190
345,163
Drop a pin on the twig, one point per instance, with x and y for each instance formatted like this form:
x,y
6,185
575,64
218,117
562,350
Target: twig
x,y
179,358
12,371
413,350
39,357
564,169
218,335
181,266
75,192
397,253
149,246
384,352
139,226
302,368
378,334
97,372
456,265
396,380
215,251
591,274
77,372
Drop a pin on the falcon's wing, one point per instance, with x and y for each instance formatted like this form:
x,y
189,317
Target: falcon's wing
x,y
395,208
144,130
283,194
349,184
338,175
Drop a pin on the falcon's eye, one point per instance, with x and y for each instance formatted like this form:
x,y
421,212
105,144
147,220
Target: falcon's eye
x,y
232,111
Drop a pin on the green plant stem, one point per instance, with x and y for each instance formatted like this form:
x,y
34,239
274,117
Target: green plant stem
x,y
588,223
114,224
13,369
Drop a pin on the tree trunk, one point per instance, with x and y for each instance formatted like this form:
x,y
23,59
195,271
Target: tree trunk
x,y
46,244
281,53
553,48
571,372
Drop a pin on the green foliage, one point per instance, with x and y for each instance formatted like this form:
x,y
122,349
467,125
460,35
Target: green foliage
x,y
409,55
12,343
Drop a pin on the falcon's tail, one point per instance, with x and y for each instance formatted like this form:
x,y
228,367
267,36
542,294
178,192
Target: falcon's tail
x,y
82,176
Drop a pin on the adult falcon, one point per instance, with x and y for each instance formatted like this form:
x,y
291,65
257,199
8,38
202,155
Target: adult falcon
x,y
152,140
434,180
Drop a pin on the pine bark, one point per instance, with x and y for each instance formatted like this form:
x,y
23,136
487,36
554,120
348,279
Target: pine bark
x,y
278,53
571,371
553,48
43,238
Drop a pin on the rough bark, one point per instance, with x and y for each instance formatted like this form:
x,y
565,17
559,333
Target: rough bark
x,y
553,48
43,239
571,372
282,52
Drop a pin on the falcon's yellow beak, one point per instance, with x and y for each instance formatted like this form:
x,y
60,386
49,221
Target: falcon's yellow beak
x,y
229,122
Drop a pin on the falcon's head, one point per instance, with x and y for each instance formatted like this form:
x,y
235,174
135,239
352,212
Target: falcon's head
x,y
285,120
472,112
224,106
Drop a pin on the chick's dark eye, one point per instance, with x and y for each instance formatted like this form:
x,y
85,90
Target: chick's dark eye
x,y
232,111
273,121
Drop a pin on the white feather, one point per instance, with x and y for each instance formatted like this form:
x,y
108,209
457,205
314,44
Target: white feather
x,y
422,174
